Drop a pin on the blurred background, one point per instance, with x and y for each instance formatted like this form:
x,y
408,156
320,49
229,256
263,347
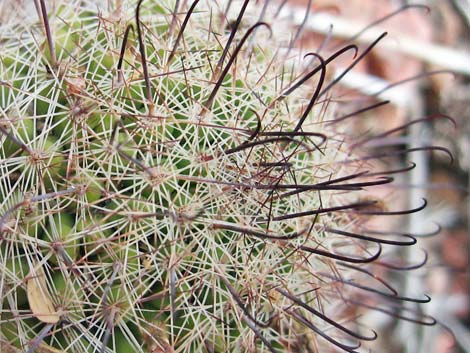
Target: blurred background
x,y
418,41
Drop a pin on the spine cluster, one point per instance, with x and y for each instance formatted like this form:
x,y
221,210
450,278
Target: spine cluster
x,y
171,181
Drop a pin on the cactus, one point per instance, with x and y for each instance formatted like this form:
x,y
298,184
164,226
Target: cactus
x,y
171,181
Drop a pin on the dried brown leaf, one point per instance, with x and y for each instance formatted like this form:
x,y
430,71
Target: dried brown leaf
x,y
39,298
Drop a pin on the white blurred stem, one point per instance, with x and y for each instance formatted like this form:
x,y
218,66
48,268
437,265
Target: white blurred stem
x,y
409,333
447,58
